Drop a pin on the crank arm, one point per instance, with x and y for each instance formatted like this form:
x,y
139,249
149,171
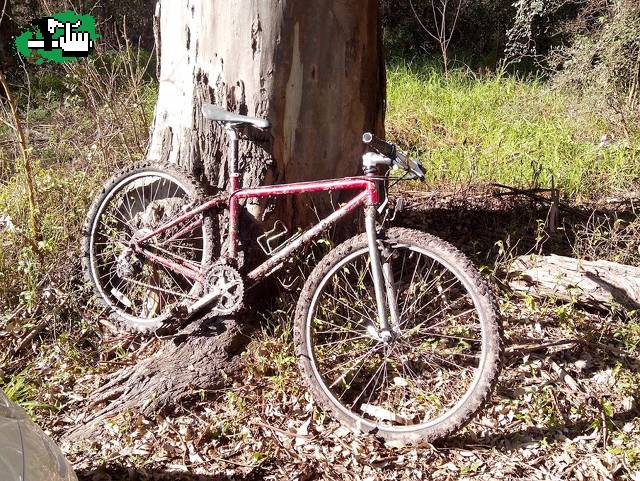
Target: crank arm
x,y
203,301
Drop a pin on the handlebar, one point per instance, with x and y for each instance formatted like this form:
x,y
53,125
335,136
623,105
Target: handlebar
x,y
381,146
397,157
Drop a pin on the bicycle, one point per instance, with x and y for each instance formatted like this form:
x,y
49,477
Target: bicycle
x,y
395,331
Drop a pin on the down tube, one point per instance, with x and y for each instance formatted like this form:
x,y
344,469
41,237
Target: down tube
x,y
266,267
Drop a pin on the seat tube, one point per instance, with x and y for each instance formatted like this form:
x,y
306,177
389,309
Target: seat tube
x,y
234,185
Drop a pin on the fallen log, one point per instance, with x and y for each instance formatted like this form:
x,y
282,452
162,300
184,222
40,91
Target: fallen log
x,y
599,284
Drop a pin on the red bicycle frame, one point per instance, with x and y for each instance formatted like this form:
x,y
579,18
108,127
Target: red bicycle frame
x,y
368,196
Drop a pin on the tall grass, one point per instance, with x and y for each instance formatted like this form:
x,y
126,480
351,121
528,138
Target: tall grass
x,y
85,122
500,128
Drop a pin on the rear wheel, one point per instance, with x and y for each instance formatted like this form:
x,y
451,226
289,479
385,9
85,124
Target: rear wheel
x,y
442,359
139,293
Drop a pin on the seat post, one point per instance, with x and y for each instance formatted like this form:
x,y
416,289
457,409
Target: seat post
x,y
232,134
234,185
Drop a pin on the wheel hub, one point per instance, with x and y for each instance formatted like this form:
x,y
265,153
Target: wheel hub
x,y
384,336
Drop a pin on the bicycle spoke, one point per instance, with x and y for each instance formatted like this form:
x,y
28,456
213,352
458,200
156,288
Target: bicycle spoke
x,y
160,289
102,222
375,376
426,290
433,300
338,327
347,306
351,359
359,363
347,387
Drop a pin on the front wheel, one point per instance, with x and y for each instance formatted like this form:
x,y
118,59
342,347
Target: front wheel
x,y
436,369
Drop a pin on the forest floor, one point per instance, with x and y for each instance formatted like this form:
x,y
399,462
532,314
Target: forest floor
x,y
566,406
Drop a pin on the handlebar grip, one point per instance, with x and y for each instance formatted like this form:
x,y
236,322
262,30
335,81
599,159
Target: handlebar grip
x,y
382,147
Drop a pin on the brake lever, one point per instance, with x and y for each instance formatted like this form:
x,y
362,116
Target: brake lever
x,y
410,165
401,158
418,170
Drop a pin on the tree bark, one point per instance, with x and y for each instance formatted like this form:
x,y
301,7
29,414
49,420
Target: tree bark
x,y
199,358
315,70
599,284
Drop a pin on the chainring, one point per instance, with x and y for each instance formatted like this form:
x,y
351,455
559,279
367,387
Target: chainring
x,y
228,282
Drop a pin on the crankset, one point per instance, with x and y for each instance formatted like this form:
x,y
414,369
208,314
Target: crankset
x,y
223,291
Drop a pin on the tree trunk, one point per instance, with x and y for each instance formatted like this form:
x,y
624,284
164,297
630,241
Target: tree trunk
x,y
315,70
599,284
199,357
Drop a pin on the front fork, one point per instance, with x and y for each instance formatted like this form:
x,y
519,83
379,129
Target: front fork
x,y
383,282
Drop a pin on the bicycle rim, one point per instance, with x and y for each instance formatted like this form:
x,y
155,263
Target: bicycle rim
x,y
136,289
435,360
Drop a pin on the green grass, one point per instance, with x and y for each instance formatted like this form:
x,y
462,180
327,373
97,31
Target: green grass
x,y
499,128
22,390
466,129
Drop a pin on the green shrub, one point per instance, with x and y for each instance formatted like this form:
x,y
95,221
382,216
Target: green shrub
x,y
602,64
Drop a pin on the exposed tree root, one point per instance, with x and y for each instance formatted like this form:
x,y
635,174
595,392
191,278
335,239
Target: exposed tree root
x,y
200,357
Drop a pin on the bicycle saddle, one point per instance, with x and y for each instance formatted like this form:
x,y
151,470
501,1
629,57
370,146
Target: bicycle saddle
x,y
217,114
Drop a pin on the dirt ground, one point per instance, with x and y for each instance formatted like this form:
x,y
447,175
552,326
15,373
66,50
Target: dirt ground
x,y
566,406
